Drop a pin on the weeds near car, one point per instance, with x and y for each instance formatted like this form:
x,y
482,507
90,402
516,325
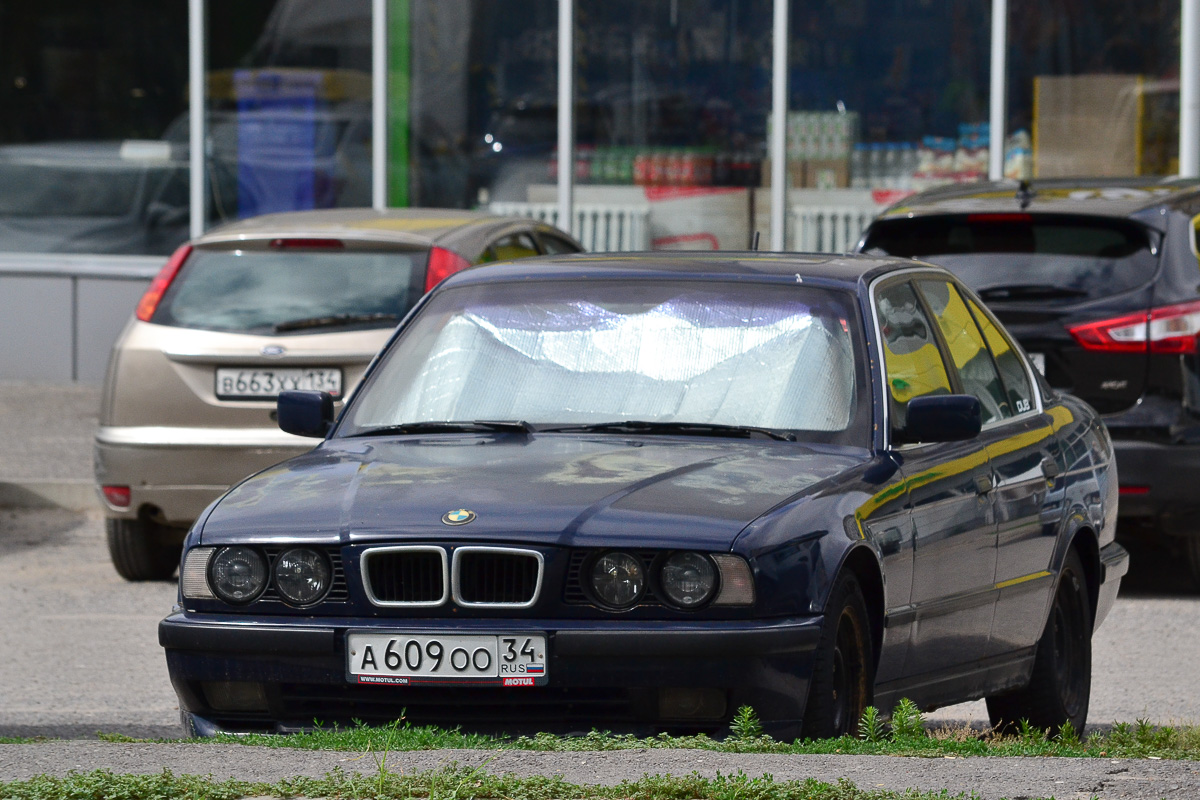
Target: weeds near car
x,y
902,733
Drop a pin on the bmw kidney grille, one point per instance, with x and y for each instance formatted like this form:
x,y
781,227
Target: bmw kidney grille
x,y
425,576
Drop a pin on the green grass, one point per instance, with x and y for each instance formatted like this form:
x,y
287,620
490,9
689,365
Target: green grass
x,y
903,734
450,783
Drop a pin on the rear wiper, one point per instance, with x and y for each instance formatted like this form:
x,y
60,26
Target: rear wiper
x,y
474,426
1029,291
332,320
686,428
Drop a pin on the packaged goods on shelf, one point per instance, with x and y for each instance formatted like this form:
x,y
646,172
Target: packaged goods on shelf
x,y
1018,156
820,134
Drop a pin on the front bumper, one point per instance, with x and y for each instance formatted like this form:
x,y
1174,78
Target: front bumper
x,y
620,676
179,471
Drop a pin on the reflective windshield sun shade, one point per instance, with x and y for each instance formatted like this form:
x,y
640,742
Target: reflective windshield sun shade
x,y
753,355
257,290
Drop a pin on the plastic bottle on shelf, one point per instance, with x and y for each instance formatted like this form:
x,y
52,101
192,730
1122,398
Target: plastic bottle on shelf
x,y
908,165
891,165
858,166
875,165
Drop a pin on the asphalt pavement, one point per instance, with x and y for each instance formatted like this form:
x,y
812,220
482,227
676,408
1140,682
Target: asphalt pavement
x,y
46,435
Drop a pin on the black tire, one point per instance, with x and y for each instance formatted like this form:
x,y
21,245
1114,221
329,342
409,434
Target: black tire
x,y
1061,683
141,550
843,679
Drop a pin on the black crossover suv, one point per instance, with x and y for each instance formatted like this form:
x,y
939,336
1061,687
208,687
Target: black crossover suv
x,y
1099,280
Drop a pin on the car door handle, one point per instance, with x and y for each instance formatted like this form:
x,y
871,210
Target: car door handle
x,y
983,483
1050,468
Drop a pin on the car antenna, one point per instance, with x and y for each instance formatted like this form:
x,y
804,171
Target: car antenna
x,y
1025,194
754,241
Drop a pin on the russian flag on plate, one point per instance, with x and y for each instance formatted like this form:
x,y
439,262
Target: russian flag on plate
x,y
535,669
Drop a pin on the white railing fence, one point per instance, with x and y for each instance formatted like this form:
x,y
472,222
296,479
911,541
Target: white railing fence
x,y
599,227
829,228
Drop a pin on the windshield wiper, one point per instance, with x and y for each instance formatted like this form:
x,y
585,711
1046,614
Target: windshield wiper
x,y
1029,291
685,428
332,320
473,426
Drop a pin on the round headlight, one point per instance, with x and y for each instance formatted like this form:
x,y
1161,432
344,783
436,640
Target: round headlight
x,y
688,579
618,579
302,576
237,574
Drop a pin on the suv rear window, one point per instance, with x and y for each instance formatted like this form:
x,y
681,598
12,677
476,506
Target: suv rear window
x,y
260,290
1025,256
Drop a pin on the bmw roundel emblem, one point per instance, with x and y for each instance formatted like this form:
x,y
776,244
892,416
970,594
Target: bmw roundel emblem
x,y
273,350
459,516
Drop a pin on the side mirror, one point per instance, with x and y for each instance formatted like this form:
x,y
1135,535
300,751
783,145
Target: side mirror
x,y
940,418
305,413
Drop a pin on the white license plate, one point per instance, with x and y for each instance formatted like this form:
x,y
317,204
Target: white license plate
x,y
234,383
409,659
1039,362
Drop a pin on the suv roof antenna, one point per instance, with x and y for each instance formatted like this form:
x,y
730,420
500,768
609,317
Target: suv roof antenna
x,y
1025,194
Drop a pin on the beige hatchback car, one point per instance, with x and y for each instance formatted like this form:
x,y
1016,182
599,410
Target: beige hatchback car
x,y
300,300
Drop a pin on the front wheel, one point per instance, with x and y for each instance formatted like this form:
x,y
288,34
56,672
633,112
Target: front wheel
x,y
141,550
843,678
1061,683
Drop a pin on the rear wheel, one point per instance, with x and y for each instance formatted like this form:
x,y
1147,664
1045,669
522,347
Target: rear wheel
x,y
142,550
843,677
1060,687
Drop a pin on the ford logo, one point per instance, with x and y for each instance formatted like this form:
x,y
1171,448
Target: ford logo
x,y
273,350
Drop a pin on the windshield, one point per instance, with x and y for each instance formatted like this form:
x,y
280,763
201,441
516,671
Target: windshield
x,y
1024,256
589,352
263,291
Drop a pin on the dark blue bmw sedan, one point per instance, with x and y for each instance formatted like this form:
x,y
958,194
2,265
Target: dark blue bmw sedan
x,y
638,492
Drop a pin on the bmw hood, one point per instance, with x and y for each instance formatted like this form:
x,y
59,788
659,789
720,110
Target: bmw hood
x,y
546,489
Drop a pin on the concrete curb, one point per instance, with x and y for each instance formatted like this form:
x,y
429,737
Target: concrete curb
x,y
74,495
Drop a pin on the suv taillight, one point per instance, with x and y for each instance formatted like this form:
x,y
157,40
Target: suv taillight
x,y
1169,330
442,264
158,286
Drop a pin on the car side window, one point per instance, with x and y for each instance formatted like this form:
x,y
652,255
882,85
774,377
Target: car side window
x,y
911,357
555,245
1012,368
968,351
509,248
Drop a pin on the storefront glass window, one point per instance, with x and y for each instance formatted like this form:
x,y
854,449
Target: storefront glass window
x,y
888,94
671,103
88,92
886,97
288,106
484,94
673,99
1093,88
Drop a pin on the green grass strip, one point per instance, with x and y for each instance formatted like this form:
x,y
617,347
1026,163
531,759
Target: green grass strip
x,y
450,783
904,733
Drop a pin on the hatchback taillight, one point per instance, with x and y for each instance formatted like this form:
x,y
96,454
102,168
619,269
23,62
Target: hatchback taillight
x,y
1169,329
162,281
442,264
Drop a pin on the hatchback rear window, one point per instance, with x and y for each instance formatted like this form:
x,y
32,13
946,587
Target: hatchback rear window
x,y
258,291
1024,256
